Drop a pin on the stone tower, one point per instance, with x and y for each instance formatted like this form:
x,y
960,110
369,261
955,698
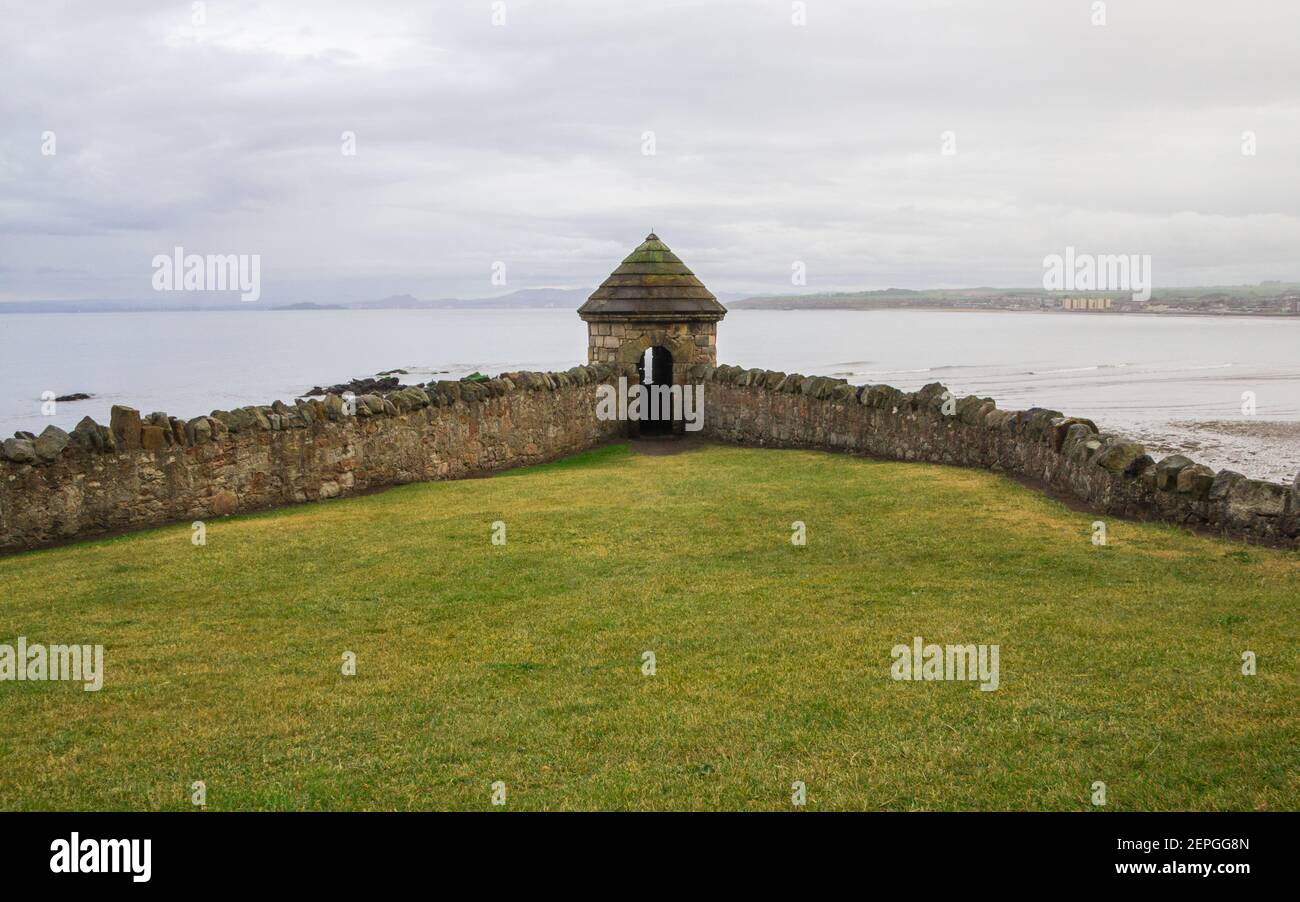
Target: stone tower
x,y
652,302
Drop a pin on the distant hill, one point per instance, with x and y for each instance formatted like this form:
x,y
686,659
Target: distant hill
x,y
526,298
1268,298
523,298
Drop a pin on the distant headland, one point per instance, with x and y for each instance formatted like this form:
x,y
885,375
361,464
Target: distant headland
x,y
1262,299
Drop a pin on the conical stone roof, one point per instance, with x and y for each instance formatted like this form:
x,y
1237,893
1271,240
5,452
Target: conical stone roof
x,y
652,283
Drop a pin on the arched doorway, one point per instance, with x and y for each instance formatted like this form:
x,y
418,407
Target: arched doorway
x,y
655,369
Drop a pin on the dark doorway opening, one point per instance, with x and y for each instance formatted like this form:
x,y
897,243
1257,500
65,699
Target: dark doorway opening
x,y
656,369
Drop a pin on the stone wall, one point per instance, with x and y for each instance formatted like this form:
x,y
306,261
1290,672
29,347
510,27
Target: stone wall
x,y
1068,455
140,472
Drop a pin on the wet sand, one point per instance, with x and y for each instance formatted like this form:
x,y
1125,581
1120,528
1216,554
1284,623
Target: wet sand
x,y
1262,449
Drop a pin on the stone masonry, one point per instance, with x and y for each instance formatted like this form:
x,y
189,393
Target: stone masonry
x,y
144,471
158,469
147,471
690,343
652,300
1069,455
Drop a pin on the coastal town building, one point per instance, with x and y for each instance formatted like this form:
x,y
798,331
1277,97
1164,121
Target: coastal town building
x,y
1085,303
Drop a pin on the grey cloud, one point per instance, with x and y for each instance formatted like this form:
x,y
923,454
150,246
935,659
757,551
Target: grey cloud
x,y
521,143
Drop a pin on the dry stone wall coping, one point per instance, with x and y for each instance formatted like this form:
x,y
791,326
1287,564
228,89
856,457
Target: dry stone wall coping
x,y
140,471
129,431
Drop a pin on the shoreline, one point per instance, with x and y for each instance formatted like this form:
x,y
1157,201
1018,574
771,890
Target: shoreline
x,y
1087,313
1260,449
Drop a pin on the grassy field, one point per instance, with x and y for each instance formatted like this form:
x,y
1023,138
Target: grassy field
x,y
522,663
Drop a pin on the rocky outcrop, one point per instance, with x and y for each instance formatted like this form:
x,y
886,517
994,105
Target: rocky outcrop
x,y
365,386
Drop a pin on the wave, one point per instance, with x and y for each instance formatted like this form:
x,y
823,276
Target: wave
x,y
1076,369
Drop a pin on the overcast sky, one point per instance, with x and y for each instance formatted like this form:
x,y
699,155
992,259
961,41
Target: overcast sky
x,y
523,142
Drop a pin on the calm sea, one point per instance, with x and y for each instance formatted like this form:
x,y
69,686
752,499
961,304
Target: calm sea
x,y
1174,382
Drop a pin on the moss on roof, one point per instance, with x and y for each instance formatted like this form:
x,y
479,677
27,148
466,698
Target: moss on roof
x,y
652,280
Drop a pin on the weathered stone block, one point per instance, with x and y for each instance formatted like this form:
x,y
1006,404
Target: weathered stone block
x,y
1090,448
1253,497
1013,421
51,443
152,438
1168,469
971,409
1060,427
226,418
125,425
1075,434
259,418
178,435
1223,483
931,394
1125,458
1195,480
1036,422
995,419
19,450
87,435
199,430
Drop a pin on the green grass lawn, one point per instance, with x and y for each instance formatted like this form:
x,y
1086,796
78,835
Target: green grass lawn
x,y
522,663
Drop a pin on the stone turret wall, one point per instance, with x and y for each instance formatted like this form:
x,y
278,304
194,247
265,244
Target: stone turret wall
x,y
616,343
149,471
1068,455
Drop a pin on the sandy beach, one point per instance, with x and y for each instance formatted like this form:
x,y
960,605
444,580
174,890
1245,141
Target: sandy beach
x,y
1264,449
